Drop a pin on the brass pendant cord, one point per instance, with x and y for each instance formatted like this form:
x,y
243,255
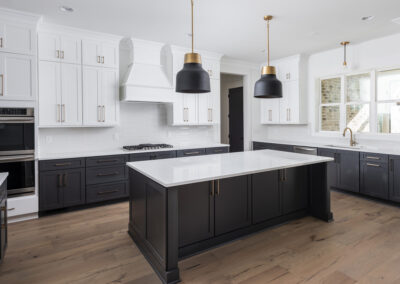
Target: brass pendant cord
x,y
192,28
345,61
268,41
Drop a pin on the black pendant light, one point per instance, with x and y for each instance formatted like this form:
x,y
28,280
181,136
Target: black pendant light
x,y
268,86
192,78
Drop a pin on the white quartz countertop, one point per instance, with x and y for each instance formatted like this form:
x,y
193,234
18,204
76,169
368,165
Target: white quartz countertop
x,y
3,177
180,171
120,151
357,148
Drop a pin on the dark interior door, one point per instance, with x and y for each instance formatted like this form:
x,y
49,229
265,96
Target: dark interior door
x,y
236,119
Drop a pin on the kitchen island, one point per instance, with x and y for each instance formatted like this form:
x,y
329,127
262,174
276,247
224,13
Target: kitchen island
x,y
182,206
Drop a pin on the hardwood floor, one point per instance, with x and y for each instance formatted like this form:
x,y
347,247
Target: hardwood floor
x,y
362,245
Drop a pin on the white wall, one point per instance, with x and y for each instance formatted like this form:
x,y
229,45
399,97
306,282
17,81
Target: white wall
x,y
377,53
139,123
228,81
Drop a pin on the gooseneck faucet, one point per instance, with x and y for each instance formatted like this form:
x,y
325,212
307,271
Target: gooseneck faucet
x,y
352,141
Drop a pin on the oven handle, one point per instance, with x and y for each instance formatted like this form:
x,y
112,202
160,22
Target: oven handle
x,y
16,120
17,158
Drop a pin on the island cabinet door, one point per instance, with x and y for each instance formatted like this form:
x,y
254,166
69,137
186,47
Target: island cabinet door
x,y
196,212
332,166
394,178
266,196
294,186
232,204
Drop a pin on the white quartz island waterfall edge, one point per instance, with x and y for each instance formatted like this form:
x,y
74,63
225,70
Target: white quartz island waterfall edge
x,y
187,170
3,177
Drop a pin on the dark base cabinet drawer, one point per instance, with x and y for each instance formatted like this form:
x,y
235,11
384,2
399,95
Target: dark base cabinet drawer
x,y
152,156
190,152
103,192
51,165
217,150
106,160
105,174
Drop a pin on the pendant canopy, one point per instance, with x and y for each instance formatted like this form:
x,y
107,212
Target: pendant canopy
x,y
192,78
268,86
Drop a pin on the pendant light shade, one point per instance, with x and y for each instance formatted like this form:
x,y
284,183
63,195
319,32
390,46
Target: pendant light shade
x,y
268,86
192,78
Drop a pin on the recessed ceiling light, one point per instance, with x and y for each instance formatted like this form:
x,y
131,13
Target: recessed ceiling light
x,y
396,21
367,18
65,9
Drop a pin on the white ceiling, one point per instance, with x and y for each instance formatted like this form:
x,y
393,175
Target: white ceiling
x,y
232,27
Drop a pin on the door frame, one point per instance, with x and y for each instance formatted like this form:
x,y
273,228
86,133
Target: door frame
x,y
250,73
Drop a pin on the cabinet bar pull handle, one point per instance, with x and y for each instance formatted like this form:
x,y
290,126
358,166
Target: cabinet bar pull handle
x,y
57,53
212,188
2,84
62,113
62,54
58,113
192,153
104,113
98,114
218,189
373,158
98,59
107,161
373,165
102,59
65,180
107,174
107,192
1,42
62,164
11,209
3,208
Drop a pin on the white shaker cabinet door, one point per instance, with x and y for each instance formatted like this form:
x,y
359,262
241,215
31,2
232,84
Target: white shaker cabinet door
x,y
70,49
91,53
109,55
17,38
71,94
91,96
16,77
49,47
269,111
109,96
190,109
49,94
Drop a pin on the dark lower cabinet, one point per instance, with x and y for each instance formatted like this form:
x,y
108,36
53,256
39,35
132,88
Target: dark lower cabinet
x,y
3,221
196,213
344,172
266,194
232,204
374,179
272,146
294,183
62,188
394,178
217,150
190,152
104,192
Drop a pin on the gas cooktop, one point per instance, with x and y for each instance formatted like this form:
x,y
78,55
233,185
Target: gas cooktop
x,y
147,147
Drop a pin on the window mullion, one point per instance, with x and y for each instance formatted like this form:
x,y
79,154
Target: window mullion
x,y
343,103
373,112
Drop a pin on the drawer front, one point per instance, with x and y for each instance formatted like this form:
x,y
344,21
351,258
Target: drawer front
x,y
259,146
191,152
51,165
106,160
105,174
152,156
217,150
103,192
26,205
372,157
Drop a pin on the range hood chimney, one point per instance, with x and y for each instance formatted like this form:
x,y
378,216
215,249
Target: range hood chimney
x,y
149,75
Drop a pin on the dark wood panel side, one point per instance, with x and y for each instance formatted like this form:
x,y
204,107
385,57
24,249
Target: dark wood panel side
x,y
319,192
394,178
137,202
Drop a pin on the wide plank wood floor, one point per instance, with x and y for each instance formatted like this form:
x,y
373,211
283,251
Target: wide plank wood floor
x,y
92,246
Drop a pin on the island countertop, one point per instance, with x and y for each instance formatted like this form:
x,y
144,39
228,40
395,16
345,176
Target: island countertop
x,y
3,177
187,170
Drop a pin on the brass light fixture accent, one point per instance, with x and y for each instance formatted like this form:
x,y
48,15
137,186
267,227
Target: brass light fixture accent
x,y
344,44
268,86
192,78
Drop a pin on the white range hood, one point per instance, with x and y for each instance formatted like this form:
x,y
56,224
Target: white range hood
x,y
149,75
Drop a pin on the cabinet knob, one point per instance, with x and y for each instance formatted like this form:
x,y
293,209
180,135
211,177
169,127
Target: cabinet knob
x,y
1,42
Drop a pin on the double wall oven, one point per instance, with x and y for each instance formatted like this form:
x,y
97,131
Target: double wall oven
x,y
17,142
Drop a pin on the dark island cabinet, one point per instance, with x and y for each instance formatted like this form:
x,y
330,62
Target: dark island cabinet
x,y
374,178
3,221
196,212
232,204
394,178
61,188
272,146
191,152
217,150
266,196
344,172
294,183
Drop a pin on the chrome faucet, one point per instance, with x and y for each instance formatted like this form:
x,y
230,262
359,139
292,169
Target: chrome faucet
x,y
352,141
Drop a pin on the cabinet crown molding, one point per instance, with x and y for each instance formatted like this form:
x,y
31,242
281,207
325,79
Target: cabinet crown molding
x,y
19,16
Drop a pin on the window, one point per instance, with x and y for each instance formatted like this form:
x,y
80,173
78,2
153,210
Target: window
x,y
388,101
366,102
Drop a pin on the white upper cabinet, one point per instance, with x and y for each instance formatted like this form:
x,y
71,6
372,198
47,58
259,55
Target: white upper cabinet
x,y
17,80
109,96
212,67
53,47
208,104
17,38
99,53
292,107
60,94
